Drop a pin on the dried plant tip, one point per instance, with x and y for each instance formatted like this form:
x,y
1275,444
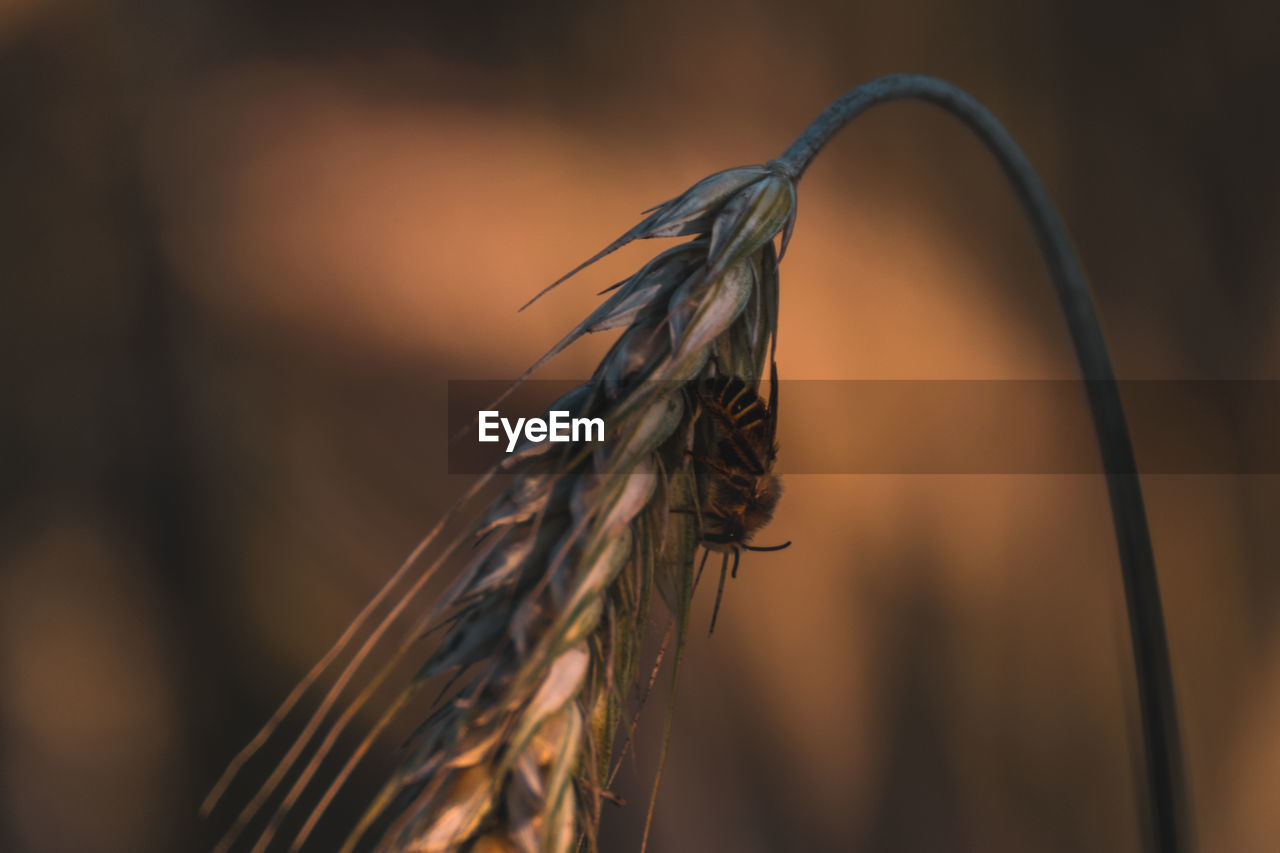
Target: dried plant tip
x,y
750,219
692,211
688,213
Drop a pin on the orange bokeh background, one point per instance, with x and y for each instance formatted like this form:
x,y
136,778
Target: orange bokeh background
x,y
245,249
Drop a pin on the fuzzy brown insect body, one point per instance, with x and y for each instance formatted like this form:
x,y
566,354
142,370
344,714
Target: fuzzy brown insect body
x,y
738,491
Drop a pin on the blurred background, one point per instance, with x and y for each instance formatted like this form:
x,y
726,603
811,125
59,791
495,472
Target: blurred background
x,y
243,246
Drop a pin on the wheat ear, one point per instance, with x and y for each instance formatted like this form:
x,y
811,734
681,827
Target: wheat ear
x,y
544,628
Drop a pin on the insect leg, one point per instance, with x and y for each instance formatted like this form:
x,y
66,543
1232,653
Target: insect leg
x,y
706,554
715,610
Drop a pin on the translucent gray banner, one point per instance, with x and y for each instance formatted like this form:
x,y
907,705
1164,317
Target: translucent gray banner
x,y
1205,427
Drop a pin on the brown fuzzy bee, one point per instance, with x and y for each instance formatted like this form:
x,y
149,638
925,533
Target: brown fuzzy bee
x,y
738,489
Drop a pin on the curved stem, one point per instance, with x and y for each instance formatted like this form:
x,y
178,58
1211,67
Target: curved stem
x,y
1165,782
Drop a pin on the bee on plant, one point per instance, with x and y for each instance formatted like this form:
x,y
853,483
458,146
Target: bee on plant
x,y
737,489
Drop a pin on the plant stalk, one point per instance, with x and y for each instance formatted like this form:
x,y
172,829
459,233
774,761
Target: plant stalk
x,y
1165,783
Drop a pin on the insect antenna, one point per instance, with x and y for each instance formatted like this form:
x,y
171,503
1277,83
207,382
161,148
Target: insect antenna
x,y
786,544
